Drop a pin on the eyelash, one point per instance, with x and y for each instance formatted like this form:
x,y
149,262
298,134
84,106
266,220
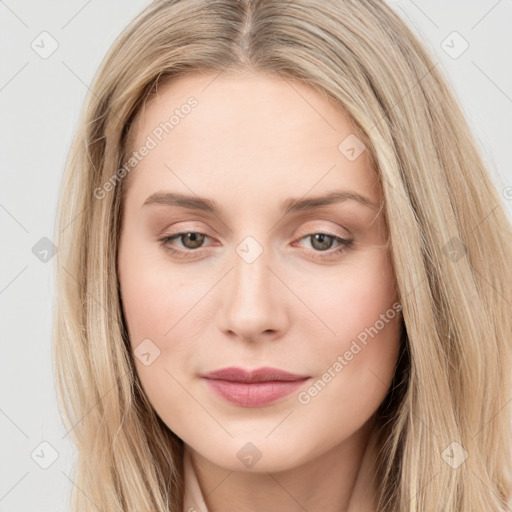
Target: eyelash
x,y
345,244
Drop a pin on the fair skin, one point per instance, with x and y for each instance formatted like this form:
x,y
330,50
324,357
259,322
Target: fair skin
x,y
252,142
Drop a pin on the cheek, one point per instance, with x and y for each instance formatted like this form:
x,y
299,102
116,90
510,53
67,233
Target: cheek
x,y
360,347
155,303
154,298
165,315
351,300
143,304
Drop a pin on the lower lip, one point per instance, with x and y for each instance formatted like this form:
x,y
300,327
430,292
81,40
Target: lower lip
x,y
253,394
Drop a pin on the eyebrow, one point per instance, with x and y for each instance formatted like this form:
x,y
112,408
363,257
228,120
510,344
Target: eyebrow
x,y
288,206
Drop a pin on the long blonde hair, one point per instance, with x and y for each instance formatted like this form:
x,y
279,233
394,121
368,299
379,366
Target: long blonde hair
x,y
445,436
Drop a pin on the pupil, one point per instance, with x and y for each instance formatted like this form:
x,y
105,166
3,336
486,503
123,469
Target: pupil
x,y
321,237
194,239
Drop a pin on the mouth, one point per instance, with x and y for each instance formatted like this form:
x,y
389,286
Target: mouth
x,y
254,388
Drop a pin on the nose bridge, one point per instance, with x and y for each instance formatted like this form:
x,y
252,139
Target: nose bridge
x,y
251,277
250,308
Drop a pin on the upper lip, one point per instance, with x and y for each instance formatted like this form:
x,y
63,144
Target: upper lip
x,y
264,374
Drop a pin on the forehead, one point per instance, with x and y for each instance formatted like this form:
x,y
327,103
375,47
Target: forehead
x,y
245,104
249,132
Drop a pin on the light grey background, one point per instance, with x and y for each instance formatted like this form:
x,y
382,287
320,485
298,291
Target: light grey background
x,y
40,99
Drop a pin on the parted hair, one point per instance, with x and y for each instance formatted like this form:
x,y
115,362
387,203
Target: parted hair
x,y
445,432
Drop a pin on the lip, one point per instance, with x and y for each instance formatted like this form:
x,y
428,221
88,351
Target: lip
x,y
264,374
253,388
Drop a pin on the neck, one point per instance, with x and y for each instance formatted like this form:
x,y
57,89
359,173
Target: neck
x,y
343,476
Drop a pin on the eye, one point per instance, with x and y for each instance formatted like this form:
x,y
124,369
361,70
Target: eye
x,y
191,240
321,242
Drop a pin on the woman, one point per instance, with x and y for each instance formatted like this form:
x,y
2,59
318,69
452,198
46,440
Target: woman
x,y
284,272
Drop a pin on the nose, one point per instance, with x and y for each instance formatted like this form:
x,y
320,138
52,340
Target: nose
x,y
252,305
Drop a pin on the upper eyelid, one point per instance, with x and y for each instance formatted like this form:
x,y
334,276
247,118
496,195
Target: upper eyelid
x,y
177,235
307,231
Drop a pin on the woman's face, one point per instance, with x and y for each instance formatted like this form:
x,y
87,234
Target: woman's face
x,y
264,277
